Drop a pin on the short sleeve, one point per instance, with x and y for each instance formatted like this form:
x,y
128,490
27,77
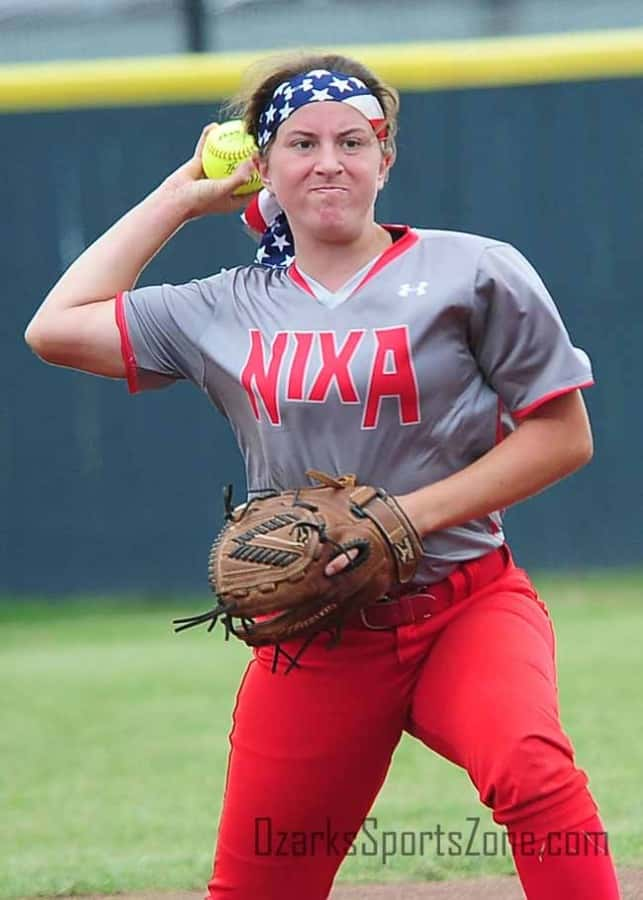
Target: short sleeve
x,y
518,337
160,327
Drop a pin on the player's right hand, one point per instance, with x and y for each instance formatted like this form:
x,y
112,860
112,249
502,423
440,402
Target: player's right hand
x,y
202,196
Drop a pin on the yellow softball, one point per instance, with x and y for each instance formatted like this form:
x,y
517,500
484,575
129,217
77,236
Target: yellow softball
x,y
225,148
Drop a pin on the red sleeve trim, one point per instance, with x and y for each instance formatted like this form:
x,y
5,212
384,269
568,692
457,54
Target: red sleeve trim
x,y
127,351
527,410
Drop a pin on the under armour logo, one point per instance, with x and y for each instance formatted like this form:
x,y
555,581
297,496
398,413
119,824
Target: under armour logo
x,y
419,289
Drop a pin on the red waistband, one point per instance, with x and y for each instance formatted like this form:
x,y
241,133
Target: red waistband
x,y
414,605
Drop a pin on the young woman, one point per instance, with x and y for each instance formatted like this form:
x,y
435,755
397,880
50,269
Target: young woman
x,y
432,363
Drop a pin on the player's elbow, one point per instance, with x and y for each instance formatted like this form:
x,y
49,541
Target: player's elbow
x,y
586,450
49,339
565,430
579,449
35,338
86,338
39,337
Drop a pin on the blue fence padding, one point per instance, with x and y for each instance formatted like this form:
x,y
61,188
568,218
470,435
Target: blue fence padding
x,y
103,492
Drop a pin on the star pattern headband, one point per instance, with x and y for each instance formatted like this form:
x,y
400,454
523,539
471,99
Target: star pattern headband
x,y
317,86
267,222
264,217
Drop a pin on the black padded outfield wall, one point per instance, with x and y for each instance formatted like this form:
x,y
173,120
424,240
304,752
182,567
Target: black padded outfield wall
x,y
100,491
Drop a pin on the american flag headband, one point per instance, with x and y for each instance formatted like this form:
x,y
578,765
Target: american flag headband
x,y
317,86
263,215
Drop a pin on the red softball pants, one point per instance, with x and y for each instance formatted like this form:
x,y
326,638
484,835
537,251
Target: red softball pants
x,y
475,682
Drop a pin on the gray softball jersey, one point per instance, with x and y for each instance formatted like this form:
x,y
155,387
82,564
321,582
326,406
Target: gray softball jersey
x,y
404,378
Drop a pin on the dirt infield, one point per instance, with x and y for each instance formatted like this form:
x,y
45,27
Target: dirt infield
x,y
503,888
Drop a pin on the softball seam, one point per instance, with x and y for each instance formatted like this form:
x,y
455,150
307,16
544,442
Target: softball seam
x,y
228,155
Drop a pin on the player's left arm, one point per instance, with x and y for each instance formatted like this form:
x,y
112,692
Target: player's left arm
x,y
550,443
526,355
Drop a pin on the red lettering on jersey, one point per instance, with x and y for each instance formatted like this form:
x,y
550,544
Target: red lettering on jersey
x,y
298,366
258,381
393,351
335,365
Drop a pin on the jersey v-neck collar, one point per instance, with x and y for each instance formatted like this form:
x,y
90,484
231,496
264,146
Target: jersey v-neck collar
x,y
329,298
357,281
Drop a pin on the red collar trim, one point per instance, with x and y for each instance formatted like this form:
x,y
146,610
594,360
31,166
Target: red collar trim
x,y
401,245
299,280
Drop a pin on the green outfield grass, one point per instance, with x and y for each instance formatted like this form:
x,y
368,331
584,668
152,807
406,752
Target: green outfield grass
x,y
113,743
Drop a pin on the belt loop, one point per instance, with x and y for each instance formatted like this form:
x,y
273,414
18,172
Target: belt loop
x,y
459,583
468,570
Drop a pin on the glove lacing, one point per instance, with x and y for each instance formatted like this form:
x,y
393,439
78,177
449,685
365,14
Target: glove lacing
x,y
224,611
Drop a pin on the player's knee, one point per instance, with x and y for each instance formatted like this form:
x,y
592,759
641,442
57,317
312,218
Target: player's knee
x,y
528,771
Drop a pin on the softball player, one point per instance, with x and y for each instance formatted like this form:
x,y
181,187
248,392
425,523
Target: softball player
x,y
432,363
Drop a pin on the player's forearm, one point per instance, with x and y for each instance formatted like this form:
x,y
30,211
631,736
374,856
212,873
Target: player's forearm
x,y
545,448
115,261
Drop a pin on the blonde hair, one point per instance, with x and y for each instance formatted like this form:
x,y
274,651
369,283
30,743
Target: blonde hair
x,y
261,79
